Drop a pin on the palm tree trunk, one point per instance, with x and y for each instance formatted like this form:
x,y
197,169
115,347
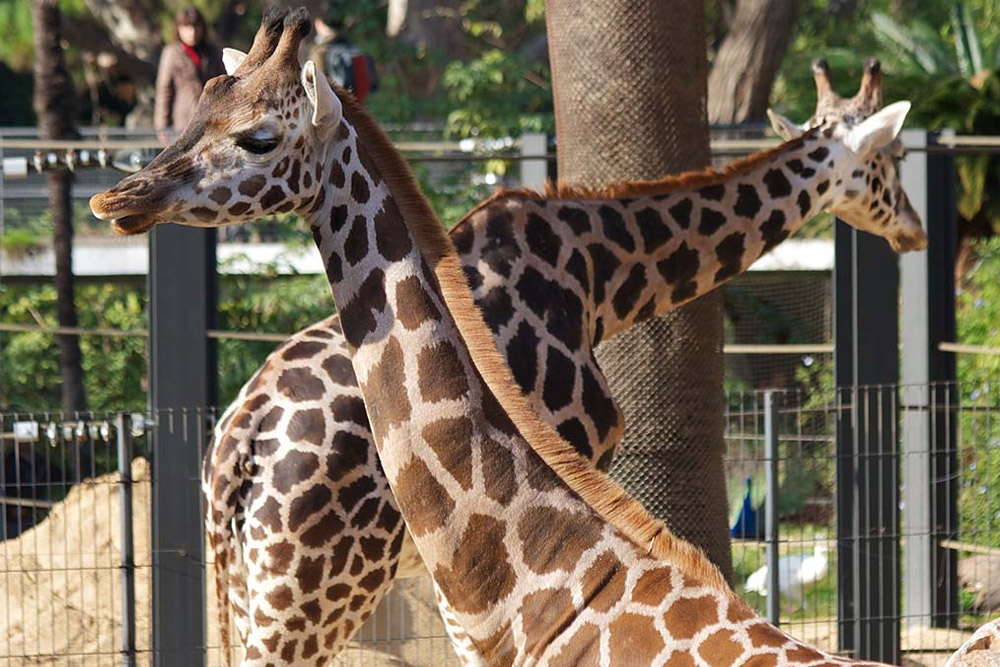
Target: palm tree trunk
x,y
629,82
55,107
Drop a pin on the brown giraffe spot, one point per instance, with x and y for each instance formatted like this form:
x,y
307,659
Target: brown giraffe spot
x,y
274,196
540,476
414,305
357,317
498,471
583,648
687,616
634,640
279,557
349,496
391,234
350,409
388,402
239,208
309,574
322,531
357,566
270,420
762,660
253,653
348,452
337,177
480,574
720,648
802,654
372,547
373,580
544,615
495,414
281,598
204,214
221,195
360,192
307,179
297,624
293,177
762,634
652,586
603,583
388,518
340,370
337,592
299,384
296,466
425,503
307,426
262,619
288,650
307,504
310,647
680,659
313,610
252,185
737,612
346,156
441,373
269,515
302,350
549,545
451,440
356,244
357,602
498,649
281,167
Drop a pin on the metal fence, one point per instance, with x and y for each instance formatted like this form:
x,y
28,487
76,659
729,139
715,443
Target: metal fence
x,y
76,588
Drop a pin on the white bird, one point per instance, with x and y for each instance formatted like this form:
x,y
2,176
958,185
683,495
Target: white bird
x,y
795,572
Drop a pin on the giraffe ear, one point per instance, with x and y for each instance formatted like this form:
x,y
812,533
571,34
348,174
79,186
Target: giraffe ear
x,y
878,130
783,127
232,59
326,106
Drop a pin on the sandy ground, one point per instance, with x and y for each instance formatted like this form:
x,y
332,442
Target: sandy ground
x,y
60,597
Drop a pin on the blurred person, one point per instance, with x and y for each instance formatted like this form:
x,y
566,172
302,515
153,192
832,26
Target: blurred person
x,y
344,63
185,66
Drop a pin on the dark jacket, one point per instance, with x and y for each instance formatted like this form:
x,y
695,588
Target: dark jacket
x,y
179,83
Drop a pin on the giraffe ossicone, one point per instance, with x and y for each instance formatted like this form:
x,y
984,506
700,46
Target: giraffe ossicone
x,y
541,559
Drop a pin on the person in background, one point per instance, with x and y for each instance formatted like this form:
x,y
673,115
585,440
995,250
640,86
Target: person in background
x,y
185,66
343,62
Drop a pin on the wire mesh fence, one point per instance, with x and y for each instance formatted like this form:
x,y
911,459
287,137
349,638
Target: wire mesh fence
x,y
66,567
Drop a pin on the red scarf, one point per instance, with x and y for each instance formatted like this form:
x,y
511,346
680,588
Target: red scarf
x,y
193,55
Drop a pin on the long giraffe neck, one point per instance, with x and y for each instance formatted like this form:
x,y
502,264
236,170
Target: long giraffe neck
x,y
527,559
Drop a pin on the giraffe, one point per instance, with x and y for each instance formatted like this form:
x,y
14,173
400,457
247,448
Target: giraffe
x,y
539,557
489,231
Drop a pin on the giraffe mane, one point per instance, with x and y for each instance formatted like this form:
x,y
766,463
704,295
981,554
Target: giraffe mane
x,y
688,180
597,490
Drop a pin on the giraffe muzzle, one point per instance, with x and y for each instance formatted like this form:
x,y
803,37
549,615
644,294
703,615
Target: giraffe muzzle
x,y
123,221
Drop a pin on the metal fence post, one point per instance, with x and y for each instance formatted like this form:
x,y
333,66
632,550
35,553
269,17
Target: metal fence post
x,y
183,375
866,364
771,457
124,426
534,172
930,463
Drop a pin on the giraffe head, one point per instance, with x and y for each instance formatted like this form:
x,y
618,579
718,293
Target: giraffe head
x,y
253,147
869,192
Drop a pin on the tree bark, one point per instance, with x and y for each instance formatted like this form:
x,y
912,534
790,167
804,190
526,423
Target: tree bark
x,y
629,86
748,59
55,107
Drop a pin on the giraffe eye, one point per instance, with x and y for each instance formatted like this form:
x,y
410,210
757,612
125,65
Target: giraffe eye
x,y
258,145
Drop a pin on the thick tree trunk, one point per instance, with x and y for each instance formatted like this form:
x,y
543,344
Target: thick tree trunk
x,y
629,81
55,107
748,59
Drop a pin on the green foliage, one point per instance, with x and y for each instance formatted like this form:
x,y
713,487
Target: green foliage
x,y
114,368
498,94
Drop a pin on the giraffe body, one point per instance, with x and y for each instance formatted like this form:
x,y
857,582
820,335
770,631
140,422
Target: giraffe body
x,y
541,559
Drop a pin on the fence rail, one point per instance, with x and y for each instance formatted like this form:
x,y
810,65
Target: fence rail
x,y
66,513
